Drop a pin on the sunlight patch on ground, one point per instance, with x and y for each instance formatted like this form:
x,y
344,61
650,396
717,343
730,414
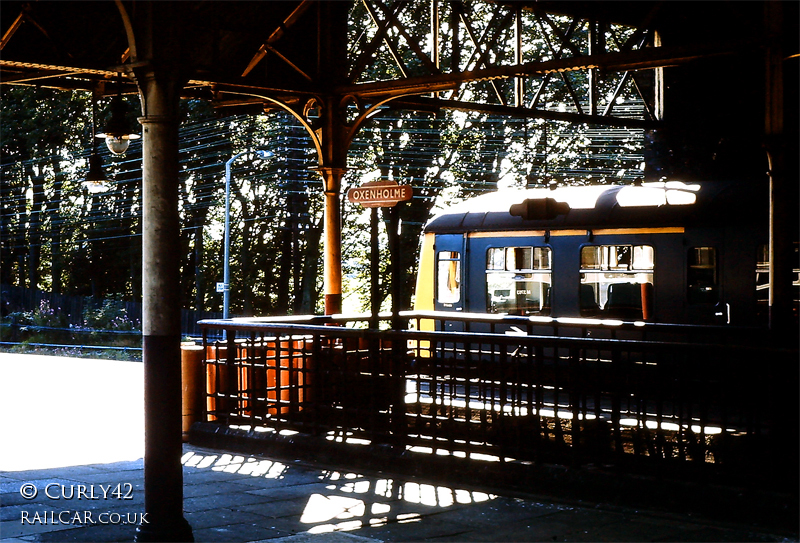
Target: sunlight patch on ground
x,y
378,502
351,501
230,463
60,411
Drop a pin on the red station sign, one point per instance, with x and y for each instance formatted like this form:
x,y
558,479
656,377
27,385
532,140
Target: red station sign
x,y
380,194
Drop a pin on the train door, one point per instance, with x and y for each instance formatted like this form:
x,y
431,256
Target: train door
x,y
706,274
449,280
743,294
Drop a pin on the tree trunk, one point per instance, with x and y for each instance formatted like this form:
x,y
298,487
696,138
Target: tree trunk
x,y
285,267
243,279
311,257
54,212
199,270
35,229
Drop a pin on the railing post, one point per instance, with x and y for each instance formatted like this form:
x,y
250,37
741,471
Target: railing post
x,y
397,386
500,423
205,376
575,395
616,400
228,378
316,385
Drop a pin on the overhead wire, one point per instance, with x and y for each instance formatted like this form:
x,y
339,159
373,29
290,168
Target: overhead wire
x,y
202,167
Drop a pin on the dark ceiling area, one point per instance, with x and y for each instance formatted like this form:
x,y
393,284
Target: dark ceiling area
x,y
258,43
219,40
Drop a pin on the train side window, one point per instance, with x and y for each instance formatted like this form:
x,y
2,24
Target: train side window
x,y
448,277
701,275
617,281
518,280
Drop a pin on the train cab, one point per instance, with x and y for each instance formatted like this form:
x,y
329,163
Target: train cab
x,y
668,251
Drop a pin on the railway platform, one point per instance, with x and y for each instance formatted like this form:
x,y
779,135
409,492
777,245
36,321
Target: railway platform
x,y
72,471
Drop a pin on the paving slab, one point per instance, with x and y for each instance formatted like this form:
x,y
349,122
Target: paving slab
x,y
284,512
237,532
91,534
219,488
213,501
336,537
16,529
223,517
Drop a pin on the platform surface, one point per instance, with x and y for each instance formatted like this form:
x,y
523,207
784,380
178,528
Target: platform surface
x,y
73,436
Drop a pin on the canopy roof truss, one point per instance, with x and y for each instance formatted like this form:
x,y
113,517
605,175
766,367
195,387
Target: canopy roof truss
x,y
521,59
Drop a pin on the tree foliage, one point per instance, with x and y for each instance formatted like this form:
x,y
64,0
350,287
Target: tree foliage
x,y
56,235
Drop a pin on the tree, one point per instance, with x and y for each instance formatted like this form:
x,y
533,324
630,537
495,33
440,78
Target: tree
x,y
56,235
41,128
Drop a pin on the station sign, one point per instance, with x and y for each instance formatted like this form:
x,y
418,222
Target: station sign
x,y
380,194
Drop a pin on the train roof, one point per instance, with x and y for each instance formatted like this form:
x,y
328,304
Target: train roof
x,y
662,203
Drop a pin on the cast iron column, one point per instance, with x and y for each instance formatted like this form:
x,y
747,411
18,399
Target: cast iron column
x,y
163,471
332,182
334,140
782,228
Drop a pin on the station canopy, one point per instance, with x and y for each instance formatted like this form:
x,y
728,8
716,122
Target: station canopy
x,y
289,54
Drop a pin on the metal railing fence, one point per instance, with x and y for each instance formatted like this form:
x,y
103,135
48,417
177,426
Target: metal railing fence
x,y
724,410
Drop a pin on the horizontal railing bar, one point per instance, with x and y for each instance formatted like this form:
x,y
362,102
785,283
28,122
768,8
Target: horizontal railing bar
x,y
458,316
575,322
334,331
310,319
590,343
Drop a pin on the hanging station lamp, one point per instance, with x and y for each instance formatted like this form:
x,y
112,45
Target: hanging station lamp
x,y
117,131
96,179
